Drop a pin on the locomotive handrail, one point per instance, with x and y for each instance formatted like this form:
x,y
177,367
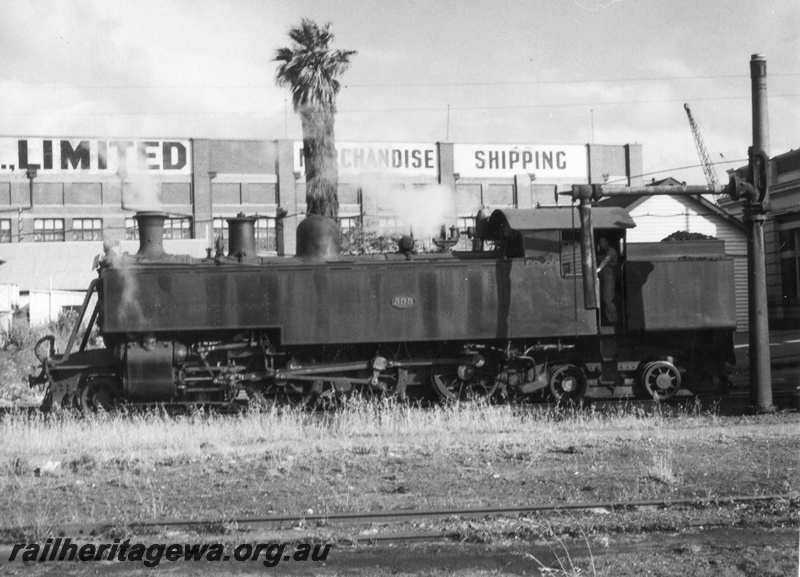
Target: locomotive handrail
x,y
74,334
88,333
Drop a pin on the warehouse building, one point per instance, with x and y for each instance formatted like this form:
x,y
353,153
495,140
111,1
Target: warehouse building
x,y
84,189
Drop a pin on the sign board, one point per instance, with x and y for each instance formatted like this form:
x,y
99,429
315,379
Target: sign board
x,y
506,160
95,156
414,159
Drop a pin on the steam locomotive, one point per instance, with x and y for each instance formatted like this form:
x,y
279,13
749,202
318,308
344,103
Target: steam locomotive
x,y
504,319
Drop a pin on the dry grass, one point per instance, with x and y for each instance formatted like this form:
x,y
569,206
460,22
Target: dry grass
x,y
376,455
359,428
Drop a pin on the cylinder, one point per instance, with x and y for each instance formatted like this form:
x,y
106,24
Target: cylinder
x,y
151,233
149,374
242,236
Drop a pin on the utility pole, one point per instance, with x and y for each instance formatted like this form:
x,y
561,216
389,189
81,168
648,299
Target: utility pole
x,y
755,216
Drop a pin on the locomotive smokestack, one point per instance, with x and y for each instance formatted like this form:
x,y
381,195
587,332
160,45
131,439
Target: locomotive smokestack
x,y
318,238
151,233
242,236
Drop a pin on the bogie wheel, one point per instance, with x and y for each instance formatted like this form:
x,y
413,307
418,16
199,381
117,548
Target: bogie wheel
x,y
98,394
567,383
450,386
661,380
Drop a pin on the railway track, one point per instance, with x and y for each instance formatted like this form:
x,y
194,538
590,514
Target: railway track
x,y
345,521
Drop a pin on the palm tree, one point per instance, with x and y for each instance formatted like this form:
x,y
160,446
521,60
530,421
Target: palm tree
x,y
311,69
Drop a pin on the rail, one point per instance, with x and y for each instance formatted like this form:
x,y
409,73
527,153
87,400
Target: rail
x,y
280,521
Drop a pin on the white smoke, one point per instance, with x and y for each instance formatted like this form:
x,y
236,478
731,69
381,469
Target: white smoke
x,y
140,191
418,209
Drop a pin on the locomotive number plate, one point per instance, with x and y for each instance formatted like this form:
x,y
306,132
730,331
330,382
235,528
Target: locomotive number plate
x,y
403,301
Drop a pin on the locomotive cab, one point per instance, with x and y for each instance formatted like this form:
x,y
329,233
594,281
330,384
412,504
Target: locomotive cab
x,y
554,235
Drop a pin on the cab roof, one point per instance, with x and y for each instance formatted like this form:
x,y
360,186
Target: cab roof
x,y
567,218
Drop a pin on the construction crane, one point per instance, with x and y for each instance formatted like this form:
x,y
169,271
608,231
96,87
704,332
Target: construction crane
x,y
705,160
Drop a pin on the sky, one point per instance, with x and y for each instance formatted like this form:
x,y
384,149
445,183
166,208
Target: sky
x,y
467,71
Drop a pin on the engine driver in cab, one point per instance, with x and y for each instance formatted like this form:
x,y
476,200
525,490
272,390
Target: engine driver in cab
x,y
608,258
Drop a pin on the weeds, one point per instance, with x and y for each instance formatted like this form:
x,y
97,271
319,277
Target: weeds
x,y
556,545
360,428
368,454
17,359
662,469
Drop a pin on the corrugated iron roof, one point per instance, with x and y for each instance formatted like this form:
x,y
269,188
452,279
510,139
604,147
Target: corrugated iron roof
x,y
69,265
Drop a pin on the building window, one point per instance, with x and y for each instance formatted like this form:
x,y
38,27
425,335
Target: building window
x,y
789,250
464,222
5,230
266,236
464,242
131,229
87,229
175,228
220,229
349,222
499,196
48,230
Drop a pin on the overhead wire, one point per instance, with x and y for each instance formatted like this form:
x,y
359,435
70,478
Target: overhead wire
x,y
398,84
393,85
259,113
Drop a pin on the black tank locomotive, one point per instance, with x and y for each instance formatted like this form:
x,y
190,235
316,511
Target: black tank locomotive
x,y
505,319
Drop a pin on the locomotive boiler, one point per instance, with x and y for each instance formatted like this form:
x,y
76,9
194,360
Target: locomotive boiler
x,y
506,319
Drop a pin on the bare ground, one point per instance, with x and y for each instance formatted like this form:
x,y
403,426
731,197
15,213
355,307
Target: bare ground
x,y
222,471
